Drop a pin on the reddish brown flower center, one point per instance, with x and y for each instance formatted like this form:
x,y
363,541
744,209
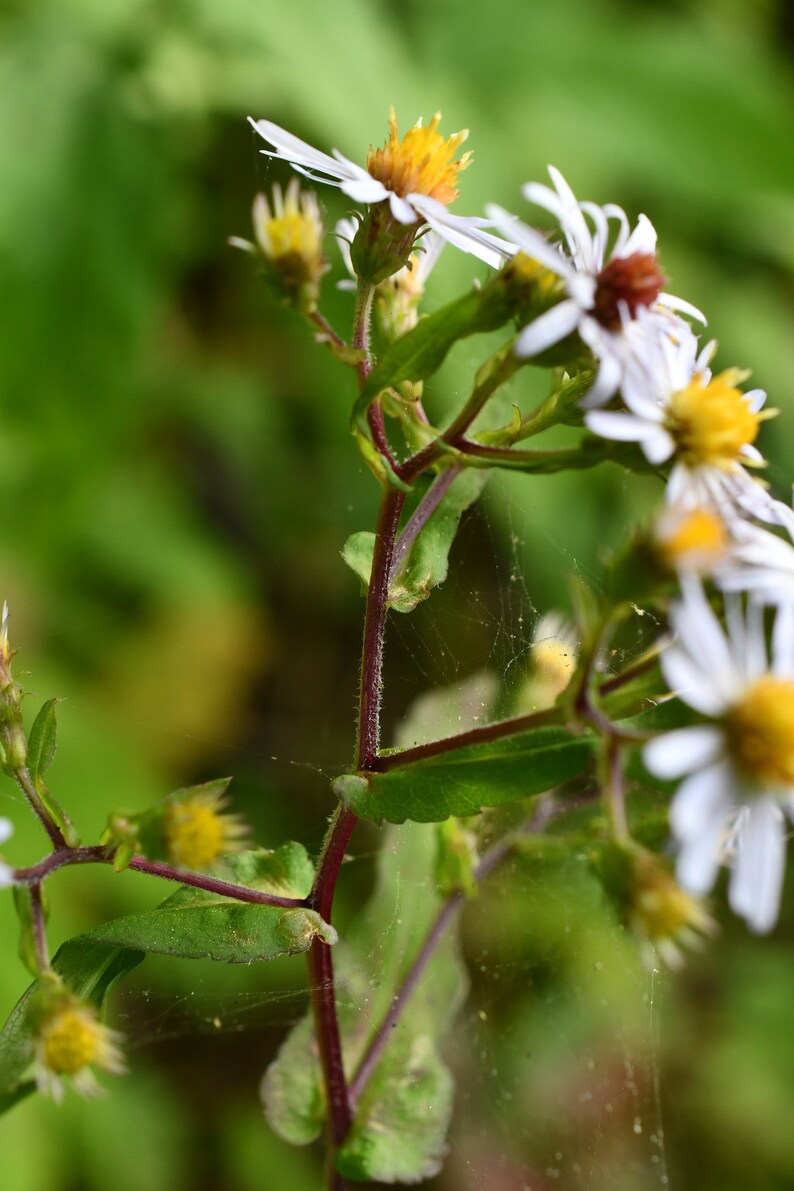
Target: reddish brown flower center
x,y
634,280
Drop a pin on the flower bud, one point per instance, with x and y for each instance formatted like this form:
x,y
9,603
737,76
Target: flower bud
x,y
662,916
289,239
68,1040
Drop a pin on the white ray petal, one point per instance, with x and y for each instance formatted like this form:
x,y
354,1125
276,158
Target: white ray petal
x,y
528,240
548,329
642,239
402,211
679,752
757,878
297,152
674,303
622,427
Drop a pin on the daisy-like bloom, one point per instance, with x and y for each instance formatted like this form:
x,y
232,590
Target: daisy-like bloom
x,y
704,424
738,769
662,915
196,829
289,238
607,279
69,1039
552,660
415,176
690,540
6,873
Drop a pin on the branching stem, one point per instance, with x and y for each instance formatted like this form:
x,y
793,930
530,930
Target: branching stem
x,y
547,809
63,857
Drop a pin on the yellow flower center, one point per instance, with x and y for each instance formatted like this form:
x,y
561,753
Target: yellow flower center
x,y
526,269
195,834
71,1041
697,539
420,163
712,421
761,730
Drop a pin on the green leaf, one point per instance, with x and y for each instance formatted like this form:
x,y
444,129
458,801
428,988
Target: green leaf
x,y
421,352
464,781
426,563
399,1132
402,1116
90,971
43,740
196,924
42,744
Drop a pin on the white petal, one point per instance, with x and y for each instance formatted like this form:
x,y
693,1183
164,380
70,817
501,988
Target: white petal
x,y
606,382
757,878
6,876
548,329
6,830
659,446
402,211
297,152
623,427
683,751
642,239
673,303
783,641
706,797
364,189
755,398
686,679
698,816
465,232
528,240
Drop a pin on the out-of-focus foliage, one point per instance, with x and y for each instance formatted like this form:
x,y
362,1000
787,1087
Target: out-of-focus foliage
x,y
177,482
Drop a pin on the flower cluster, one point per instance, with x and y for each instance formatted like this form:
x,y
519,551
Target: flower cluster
x,y
606,315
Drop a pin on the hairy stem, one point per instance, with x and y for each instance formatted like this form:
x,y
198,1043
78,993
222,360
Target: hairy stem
x,y
422,514
28,788
39,928
63,857
488,732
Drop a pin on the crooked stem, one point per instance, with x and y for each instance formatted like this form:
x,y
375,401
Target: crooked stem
x,y
28,788
63,857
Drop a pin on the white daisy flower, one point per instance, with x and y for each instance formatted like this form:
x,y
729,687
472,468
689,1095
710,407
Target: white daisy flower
x,y
738,769
415,175
6,873
607,280
678,411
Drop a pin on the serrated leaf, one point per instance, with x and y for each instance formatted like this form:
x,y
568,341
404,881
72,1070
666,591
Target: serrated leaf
x,y
464,781
90,971
399,1134
196,924
403,1113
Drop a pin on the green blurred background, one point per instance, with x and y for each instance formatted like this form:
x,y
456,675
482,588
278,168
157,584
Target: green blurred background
x,y
177,479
